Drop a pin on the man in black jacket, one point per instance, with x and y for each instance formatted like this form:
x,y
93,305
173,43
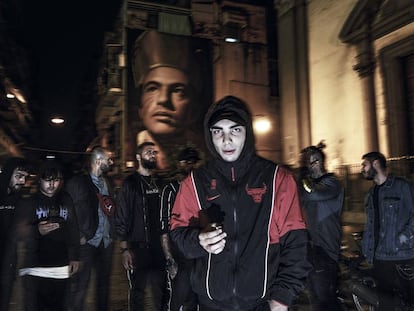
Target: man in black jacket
x,y
239,218
13,176
322,198
178,267
93,200
137,224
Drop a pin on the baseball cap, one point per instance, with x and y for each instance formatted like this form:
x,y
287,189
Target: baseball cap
x,y
188,154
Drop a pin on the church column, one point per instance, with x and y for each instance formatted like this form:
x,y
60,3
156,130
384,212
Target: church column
x,y
365,68
294,77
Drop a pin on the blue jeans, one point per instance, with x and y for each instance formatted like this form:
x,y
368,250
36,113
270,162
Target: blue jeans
x,y
322,280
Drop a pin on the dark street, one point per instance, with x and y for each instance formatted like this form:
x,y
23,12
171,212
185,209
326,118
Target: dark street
x,y
119,290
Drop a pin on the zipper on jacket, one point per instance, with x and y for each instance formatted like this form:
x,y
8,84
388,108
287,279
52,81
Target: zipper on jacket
x,y
236,245
145,214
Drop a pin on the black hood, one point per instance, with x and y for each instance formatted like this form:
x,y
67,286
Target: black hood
x,y
6,173
234,109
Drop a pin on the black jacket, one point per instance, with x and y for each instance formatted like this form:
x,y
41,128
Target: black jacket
x,y
257,203
131,215
84,196
322,208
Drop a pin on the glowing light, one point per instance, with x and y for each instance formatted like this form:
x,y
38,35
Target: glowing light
x,y
130,164
10,95
57,120
231,40
262,125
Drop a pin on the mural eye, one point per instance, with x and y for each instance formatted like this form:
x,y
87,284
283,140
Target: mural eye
x,y
180,90
150,88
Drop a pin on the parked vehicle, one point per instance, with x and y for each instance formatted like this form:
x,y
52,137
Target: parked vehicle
x,y
359,280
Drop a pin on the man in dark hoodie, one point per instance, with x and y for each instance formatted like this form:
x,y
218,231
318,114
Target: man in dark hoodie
x,y
12,178
51,241
322,198
239,218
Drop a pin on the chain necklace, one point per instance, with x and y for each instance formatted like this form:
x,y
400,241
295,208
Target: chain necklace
x,y
152,187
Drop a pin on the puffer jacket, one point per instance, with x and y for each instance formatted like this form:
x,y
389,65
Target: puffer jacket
x,y
257,203
396,236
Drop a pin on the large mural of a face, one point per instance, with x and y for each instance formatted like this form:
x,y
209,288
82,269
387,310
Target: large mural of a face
x,y
170,91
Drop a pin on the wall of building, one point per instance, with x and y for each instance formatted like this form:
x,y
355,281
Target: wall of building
x,y
241,70
335,88
386,127
338,95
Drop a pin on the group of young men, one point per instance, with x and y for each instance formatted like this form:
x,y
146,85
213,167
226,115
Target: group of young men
x,y
238,233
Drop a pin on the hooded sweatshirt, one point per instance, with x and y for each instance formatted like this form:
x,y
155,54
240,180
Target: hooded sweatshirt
x,y
257,204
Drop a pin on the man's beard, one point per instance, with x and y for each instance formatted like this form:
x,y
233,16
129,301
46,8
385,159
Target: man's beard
x,y
16,188
105,168
149,164
370,175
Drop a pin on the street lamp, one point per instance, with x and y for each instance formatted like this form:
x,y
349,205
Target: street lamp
x,y
261,125
57,120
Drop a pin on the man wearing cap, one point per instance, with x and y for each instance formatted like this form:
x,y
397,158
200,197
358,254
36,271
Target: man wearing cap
x,y
239,218
167,72
178,267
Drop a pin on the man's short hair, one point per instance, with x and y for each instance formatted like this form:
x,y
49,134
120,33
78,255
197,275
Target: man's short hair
x,y
50,169
14,163
375,155
97,153
141,146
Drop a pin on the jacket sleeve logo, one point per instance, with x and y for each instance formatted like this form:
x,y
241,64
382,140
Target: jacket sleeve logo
x,y
256,193
213,184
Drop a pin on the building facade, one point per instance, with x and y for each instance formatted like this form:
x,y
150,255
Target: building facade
x,y
353,61
245,67
338,71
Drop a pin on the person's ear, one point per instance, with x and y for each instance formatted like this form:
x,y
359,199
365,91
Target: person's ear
x,y
138,157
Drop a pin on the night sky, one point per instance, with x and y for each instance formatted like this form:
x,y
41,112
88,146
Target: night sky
x,y
63,42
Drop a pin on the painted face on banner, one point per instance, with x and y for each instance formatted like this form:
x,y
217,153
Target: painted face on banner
x,y
165,101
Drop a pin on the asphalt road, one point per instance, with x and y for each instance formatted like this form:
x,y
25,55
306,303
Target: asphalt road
x,y
119,292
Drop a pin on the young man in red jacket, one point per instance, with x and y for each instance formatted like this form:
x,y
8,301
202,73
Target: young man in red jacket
x,y
239,218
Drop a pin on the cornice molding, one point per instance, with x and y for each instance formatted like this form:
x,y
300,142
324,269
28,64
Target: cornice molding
x,y
376,18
